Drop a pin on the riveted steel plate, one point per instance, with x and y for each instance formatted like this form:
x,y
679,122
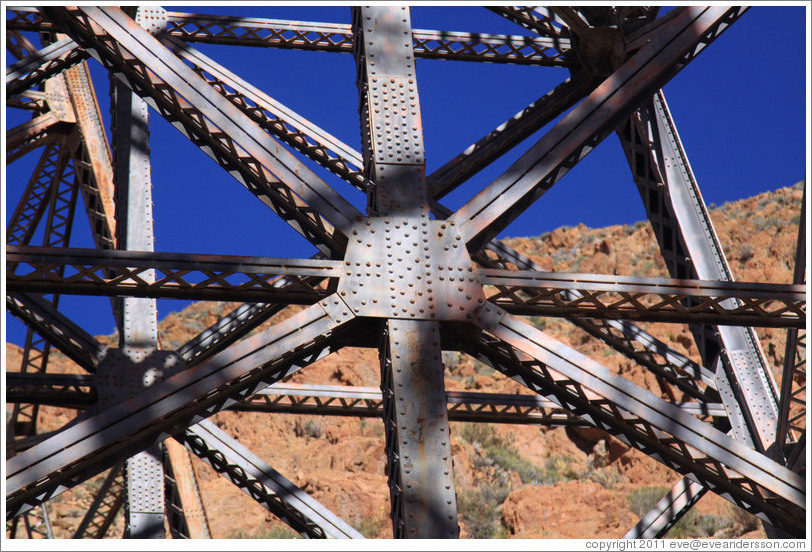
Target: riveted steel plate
x,y
124,372
411,268
152,18
144,470
394,120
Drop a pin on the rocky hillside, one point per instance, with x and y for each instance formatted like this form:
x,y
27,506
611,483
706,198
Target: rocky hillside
x,y
512,481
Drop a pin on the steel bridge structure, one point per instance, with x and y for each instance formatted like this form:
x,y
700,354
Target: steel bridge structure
x,y
408,276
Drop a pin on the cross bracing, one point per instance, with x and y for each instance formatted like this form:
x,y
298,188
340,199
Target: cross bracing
x,y
406,275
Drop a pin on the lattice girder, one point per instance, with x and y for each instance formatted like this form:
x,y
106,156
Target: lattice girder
x,y
442,283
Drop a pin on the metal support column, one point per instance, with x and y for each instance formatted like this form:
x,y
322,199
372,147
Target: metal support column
x,y
138,325
417,434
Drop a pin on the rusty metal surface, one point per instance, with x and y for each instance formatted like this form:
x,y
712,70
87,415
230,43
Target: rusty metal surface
x,y
411,279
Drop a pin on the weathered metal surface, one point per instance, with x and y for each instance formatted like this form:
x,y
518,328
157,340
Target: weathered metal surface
x,y
334,37
263,483
645,421
490,211
232,121
179,275
36,68
100,440
668,510
650,299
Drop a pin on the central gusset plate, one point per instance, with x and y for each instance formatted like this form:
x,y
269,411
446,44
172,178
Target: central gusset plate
x,y
409,267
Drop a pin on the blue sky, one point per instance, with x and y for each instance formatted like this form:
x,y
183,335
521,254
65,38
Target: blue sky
x,y
740,109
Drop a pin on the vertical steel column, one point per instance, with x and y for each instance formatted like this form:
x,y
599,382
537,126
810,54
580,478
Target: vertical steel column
x,y
794,360
138,324
417,434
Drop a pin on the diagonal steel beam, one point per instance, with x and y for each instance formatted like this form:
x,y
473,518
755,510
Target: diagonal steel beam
x,y
668,510
507,135
91,158
100,440
226,134
34,200
186,516
31,100
61,332
541,21
261,482
107,502
490,211
34,69
18,44
738,473
691,249
28,136
624,337
275,118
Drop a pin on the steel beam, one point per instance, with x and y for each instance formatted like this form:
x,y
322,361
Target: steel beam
x,y
18,44
236,324
691,248
649,299
793,379
177,275
264,484
91,158
64,390
61,204
33,70
462,406
39,131
107,502
490,211
668,510
739,473
41,316
186,515
541,21
102,439
422,497
34,200
334,37
226,134
275,118
507,135
144,507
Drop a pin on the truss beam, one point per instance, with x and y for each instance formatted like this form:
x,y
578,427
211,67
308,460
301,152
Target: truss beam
x,y
649,299
107,502
264,484
690,248
275,118
643,420
490,211
333,37
227,135
507,135
102,439
668,510
190,276
39,131
33,70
